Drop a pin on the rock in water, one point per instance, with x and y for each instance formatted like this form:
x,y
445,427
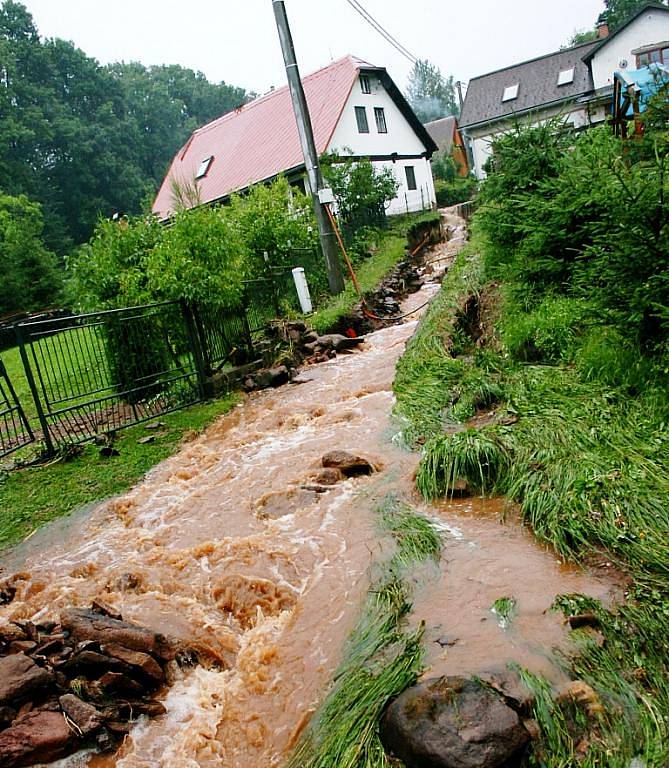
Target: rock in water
x,y
453,722
36,737
85,716
338,342
88,625
347,463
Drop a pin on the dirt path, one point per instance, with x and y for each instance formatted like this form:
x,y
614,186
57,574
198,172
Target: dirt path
x,y
221,546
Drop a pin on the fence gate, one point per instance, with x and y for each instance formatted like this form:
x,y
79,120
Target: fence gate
x,y
15,430
96,373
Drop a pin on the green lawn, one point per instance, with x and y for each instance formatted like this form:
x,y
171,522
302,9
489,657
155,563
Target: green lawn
x,y
33,496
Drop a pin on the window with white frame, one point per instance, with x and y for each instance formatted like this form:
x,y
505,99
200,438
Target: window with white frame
x,y
365,85
510,92
204,167
566,76
410,173
380,117
361,119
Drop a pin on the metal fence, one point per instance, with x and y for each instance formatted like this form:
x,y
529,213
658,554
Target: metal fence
x,y
99,372
96,373
15,431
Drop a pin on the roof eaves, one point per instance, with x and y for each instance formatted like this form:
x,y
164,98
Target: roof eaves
x,y
601,43
404,107
529,110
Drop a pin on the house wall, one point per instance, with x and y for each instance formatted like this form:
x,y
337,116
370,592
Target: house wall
x,y
400,140
651,27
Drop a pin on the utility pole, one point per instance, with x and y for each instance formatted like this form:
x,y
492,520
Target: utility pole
x,y
327,236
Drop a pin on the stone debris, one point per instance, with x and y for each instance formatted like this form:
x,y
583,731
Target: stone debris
x,y
77,683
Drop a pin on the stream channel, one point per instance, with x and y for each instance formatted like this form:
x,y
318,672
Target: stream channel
x,y
222,547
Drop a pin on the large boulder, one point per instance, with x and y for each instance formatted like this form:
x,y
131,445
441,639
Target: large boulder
x,y
349,464
453,722
338,341
20,677
36,737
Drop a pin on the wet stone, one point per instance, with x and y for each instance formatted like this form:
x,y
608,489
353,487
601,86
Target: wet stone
x,y
85,716
329,476
347,463
20,677
453,722
36,737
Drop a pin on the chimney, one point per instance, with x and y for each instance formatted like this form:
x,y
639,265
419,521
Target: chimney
x,y
602,27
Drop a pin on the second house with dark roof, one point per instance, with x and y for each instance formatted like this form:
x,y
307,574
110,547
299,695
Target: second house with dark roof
x,y
576,82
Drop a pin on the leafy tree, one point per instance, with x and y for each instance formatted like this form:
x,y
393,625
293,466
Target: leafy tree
x,y
619,11
583,36
85,140
31,278
430,94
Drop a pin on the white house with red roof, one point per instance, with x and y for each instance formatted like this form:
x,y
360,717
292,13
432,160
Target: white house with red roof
x,y
355,109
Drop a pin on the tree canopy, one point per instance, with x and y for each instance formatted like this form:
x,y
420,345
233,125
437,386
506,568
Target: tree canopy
x,y
430,93
86,140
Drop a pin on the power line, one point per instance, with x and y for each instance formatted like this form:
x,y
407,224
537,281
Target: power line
x,y
358,8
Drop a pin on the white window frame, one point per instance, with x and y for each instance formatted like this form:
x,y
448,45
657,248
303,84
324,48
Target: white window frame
x,y
204,167
380,120
566,76
510,92
365,84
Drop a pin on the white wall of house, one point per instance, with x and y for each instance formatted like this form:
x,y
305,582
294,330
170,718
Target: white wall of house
x,y
400,139
651,27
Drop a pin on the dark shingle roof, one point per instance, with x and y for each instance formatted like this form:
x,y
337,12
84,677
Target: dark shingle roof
x,y
537,80
442,131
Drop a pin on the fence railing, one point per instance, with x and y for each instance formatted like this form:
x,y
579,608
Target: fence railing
x,y
15,431
99,372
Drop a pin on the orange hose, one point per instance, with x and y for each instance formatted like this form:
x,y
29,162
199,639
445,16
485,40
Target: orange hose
x,y
354,279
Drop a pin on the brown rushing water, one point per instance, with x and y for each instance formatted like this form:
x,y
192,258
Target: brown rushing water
x,y
221,546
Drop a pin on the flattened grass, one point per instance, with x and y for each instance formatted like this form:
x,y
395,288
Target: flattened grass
x,y
381,658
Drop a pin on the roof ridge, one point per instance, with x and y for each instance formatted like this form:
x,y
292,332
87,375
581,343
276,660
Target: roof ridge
x,y
272,93
536,58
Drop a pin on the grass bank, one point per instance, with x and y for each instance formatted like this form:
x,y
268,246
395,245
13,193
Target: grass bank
x,y
548,407
371,271
33,496
381,658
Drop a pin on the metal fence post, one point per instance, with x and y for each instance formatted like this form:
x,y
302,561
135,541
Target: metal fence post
x,y
195,346
48,442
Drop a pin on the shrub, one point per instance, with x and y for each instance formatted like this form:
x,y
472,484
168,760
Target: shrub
x,y
459,190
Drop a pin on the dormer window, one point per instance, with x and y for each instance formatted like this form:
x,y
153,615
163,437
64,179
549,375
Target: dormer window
x,y
365,85
510,92
566,76
204,167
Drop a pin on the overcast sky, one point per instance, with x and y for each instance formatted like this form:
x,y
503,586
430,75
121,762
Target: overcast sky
x,y
236,40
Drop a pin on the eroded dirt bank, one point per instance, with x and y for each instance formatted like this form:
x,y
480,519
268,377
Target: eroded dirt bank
x,y
222,547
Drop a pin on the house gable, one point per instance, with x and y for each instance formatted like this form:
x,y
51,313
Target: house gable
x,y
648,27
260,140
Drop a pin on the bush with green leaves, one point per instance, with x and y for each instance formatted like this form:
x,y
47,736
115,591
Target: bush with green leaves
x,y
459,190
362,192
587,215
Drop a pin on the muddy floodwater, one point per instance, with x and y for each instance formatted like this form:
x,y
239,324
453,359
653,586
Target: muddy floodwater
x,y
223,547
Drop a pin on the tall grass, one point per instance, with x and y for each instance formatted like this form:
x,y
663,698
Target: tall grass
x,y
381,657
587,461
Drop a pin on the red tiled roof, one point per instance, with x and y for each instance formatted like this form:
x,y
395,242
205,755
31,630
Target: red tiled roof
x,y
260,140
